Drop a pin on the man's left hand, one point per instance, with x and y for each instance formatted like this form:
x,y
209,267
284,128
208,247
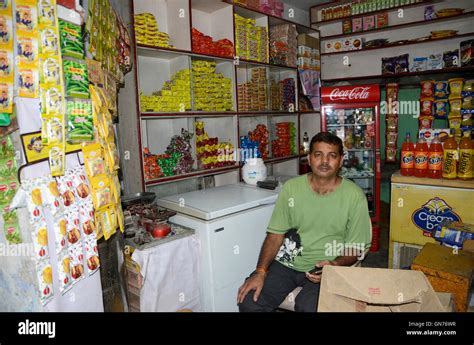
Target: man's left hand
x,y
316,278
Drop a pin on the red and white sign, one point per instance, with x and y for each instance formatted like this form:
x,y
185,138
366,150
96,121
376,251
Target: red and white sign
x,y
350,94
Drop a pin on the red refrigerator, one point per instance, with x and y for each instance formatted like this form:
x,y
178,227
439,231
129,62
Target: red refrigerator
x,y
352,113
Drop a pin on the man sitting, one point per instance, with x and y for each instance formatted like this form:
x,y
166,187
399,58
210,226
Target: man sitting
x,y
315,215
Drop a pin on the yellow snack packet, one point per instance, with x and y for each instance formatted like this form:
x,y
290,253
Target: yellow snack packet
x,y
101,192
94,160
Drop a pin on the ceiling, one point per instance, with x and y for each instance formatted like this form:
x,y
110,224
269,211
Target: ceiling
x,y
304,4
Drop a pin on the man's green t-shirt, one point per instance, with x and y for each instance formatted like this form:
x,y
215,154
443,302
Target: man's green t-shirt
x,y
324,225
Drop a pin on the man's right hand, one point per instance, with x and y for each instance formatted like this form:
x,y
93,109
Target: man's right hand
x,y
255,282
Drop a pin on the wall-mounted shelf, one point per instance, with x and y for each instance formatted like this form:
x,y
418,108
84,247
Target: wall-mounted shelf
x,y
420,3
400,26
156,70
400,45
405,74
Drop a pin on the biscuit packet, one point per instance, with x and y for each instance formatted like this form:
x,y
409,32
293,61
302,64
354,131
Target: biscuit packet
x,y
101,192
73,225
51,196
34,200
65,187
64,271
76,258
107,222
80,184
44,275
92,255
60,233
94,160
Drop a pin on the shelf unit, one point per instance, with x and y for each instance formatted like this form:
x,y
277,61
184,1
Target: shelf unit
x,y
156,65
365,63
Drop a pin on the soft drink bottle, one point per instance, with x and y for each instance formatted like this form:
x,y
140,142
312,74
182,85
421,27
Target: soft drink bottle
x,y
465,157
421,157
407,159
450,157
435,159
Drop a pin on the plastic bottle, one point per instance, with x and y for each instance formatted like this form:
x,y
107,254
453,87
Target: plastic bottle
x,y
306,143
421,157
407,157
450,157
435,159
465,157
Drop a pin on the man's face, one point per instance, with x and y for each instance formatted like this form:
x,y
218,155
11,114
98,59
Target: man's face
x,y
325,160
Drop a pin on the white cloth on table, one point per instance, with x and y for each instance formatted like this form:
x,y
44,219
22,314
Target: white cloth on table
x,y
170,276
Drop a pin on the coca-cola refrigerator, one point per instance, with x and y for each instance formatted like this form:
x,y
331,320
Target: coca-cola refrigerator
x,y
352,113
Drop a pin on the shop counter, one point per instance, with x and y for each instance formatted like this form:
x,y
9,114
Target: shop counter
x,y
417,206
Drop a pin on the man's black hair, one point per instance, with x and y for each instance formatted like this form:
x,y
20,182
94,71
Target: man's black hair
x,y
328,138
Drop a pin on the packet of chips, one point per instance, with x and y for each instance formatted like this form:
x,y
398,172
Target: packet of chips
x,y
44,275
101,193
76,258
92,255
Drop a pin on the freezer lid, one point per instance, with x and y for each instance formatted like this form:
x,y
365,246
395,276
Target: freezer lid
x,y
218,202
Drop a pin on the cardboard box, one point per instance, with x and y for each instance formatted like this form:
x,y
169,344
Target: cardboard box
x,y
315,54
333,46
360,289
448,271
353,43
381,20
308,41
304,51
468,246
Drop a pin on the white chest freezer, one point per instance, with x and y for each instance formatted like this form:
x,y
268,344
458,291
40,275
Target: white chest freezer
x,y
230,222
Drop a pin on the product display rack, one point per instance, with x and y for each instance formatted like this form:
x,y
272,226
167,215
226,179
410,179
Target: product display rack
x,y
406,20
155,65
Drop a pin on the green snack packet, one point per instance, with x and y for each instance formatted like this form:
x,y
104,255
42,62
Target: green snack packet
x,y
11,228
72,42
80,124
77,79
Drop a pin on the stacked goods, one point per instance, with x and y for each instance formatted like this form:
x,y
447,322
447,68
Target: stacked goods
x,y
252,96
146,31
255,144
205,45
455,105
308,52
212,91
467,106
275,96
272,7
288,94
175,161
251,40
151,168
283,45
210,153
391,120
174,96
285,143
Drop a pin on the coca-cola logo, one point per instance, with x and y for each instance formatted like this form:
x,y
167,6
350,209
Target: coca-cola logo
x,y
355,93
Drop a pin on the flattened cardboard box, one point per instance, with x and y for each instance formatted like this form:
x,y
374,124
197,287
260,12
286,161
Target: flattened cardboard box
x,y
358,289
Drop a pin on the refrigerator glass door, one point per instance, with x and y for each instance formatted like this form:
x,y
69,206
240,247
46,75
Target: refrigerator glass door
x,y
356,126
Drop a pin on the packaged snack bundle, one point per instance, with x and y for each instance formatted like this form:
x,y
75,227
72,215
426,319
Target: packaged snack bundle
x,y
80,126
77,79
72,43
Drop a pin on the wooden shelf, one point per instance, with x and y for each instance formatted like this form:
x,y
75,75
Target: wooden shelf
x,y
278,20
201,173
373,12
405,74
277,113
399,26
280,159
152,115
399,45
169,53
398,178
267,64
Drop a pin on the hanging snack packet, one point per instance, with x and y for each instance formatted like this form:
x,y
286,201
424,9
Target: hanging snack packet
x,y
455,87
47,12
80,124
77,80
427,89
92,257
50,71
73,225
27,82
101,193
455,105
80,184
64,270
107,222
60,233
34,200
26,15
40,239
49,42
441,108
72,43
51,196
94,160
44,274
441,90
76,258
11,229
86,216
65,187
426,107
57,159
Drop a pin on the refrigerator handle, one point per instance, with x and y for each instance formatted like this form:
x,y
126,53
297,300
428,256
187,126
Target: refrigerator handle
x,y
219,230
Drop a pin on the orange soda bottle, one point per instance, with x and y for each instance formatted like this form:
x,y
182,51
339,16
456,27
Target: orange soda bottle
x,y
450,157
407,159
465,157
435,158
421,157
